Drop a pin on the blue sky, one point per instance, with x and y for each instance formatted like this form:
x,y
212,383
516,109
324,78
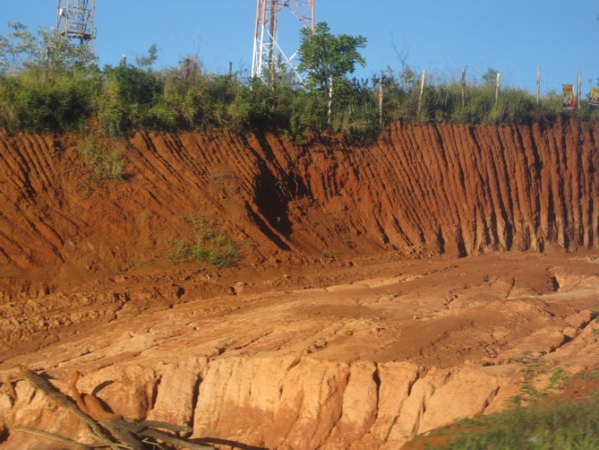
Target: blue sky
x,y
514,37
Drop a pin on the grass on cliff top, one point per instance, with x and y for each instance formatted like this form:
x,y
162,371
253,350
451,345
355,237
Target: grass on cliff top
x,y
49,84
568,421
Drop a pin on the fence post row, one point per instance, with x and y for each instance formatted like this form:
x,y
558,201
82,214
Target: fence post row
x,y
577,98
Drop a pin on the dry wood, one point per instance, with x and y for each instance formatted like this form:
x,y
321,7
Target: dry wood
x,y
55,437
113,431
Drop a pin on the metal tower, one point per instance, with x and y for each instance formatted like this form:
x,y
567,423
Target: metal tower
x,y
268,54
75,20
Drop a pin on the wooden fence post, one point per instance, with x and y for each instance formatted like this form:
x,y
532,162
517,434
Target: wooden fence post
x,y
578,88
330,105
421,98
381,93
463,88
497,88
538,85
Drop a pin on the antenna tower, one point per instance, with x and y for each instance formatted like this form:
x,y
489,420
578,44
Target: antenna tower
x,y
75,20
268,54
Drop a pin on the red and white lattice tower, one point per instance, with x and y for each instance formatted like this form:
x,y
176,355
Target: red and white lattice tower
x,y
75,20
268,54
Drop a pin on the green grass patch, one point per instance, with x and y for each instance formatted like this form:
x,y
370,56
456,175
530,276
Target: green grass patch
x,y
551,412
211,246
104,158
564,426
64,92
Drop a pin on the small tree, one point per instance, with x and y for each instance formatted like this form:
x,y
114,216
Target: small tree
x,y
327,58
21,50
147,61
490,77
17,48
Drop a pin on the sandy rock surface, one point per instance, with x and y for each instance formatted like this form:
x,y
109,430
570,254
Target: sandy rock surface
x,y
365,363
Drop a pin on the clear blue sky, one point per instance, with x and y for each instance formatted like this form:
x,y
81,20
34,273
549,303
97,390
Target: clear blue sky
x,y
514,37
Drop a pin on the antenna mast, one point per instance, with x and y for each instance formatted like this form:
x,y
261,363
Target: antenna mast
x,y
268,54
75,20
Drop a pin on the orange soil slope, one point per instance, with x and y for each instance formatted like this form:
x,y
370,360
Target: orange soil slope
x,y
419,189
327,292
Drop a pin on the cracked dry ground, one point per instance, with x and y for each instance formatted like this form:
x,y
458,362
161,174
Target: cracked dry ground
x,y
380,292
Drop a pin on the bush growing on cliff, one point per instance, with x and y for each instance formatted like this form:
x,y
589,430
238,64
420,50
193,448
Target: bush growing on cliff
x,y
103,158
47,83
571,425
128,100
211,246
34,102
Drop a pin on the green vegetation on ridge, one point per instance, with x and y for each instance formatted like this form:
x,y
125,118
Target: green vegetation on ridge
x,y
50,84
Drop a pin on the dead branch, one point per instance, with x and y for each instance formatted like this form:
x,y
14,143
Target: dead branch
x,y
160,436
112,430
63,401
52,436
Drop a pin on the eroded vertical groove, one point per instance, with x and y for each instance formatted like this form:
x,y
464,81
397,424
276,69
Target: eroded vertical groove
x,y
420,189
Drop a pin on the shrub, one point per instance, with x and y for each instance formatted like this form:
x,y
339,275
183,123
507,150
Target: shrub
x,y
211,246
103,158
129,94
38,102
49,84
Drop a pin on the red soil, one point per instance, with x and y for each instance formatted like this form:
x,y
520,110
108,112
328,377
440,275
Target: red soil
x,y
418,190
437,203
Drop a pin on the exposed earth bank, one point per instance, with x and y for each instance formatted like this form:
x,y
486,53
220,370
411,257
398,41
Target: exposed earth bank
x,y
379,291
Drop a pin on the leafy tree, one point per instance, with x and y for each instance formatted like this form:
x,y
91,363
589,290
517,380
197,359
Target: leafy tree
x,y
16,48
21,49
59,53
490,77
147,61
326,57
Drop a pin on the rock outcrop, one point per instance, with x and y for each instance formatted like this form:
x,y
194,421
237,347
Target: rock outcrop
x,y
362,365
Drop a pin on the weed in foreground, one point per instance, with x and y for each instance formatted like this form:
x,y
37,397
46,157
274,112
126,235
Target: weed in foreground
x,y
573,425
538,381
533,423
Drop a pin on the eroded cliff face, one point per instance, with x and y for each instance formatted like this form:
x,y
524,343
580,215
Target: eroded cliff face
x,y
278,403
441,189
381,291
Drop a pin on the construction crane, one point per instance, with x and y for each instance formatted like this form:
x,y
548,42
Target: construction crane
x,y
75,20
268,54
